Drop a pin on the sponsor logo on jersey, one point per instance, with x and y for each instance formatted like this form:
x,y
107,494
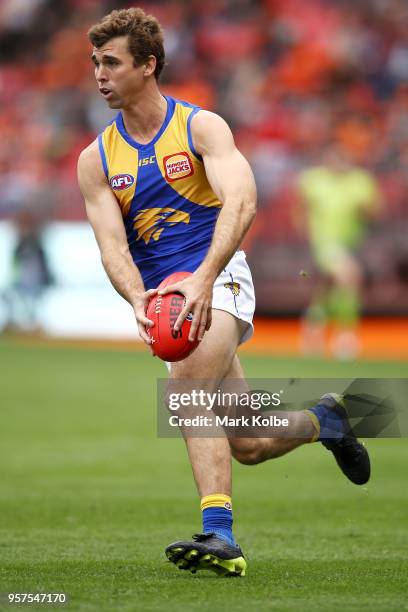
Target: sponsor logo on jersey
x,y
121,181
151,222
177,166
234,287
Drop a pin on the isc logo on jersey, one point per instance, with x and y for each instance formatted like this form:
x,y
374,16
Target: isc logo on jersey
x,y
177,166
121,181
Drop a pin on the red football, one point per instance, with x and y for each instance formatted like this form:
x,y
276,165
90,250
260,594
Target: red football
x,y
163,310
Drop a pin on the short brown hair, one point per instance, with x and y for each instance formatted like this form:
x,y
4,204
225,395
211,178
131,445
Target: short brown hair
x,y
144,32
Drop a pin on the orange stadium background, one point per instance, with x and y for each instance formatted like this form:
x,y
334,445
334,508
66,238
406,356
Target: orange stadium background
x,y
290,77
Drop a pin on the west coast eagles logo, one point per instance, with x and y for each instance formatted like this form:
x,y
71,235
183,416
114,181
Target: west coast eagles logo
x,y
234,287
151,222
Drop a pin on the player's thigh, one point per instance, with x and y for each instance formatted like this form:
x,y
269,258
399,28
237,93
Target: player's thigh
x,y
212,358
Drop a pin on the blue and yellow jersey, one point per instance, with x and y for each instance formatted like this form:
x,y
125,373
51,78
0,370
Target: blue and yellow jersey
x,y
168,207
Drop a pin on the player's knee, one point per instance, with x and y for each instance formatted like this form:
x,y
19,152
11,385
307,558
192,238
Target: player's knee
x,y
249,452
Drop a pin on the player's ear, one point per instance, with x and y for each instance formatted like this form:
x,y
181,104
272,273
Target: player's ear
x,y
150,66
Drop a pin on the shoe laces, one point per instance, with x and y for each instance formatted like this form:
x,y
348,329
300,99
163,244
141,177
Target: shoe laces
x,y
353,449
200,537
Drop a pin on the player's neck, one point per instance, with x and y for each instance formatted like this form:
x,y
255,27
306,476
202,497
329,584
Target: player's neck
x,y
144,117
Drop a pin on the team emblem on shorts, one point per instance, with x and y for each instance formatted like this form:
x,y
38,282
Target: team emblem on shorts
x,y
234,287
121,181
177,166
151,222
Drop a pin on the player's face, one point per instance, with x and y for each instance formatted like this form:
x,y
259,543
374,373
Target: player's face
x,y
117,77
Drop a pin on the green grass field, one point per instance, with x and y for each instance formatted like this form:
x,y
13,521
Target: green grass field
x,y
89,497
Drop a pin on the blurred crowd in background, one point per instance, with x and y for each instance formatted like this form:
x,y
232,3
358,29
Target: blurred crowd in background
x,y
290,76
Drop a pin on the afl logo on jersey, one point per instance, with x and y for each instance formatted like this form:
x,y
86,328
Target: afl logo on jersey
x,y
177,166
121,181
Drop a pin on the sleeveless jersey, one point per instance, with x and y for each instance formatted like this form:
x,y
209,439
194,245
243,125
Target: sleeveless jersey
x,y
168,207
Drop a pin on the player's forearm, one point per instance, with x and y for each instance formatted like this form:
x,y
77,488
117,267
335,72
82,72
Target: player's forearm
x,y
123,274
232,224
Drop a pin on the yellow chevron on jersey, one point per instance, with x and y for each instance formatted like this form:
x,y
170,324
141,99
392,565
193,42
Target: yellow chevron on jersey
x,y
168,206
121,160
173,152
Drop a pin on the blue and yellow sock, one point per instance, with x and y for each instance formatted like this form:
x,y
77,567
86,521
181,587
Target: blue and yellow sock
x,y
217,516
329,426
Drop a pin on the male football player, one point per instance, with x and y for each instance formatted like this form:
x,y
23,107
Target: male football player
x,y
166,190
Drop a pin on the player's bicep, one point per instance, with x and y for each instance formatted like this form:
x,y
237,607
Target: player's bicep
x,y
106,220
230,175
227,170
101,206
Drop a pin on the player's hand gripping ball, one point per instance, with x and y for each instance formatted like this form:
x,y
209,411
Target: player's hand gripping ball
x,y
163,310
